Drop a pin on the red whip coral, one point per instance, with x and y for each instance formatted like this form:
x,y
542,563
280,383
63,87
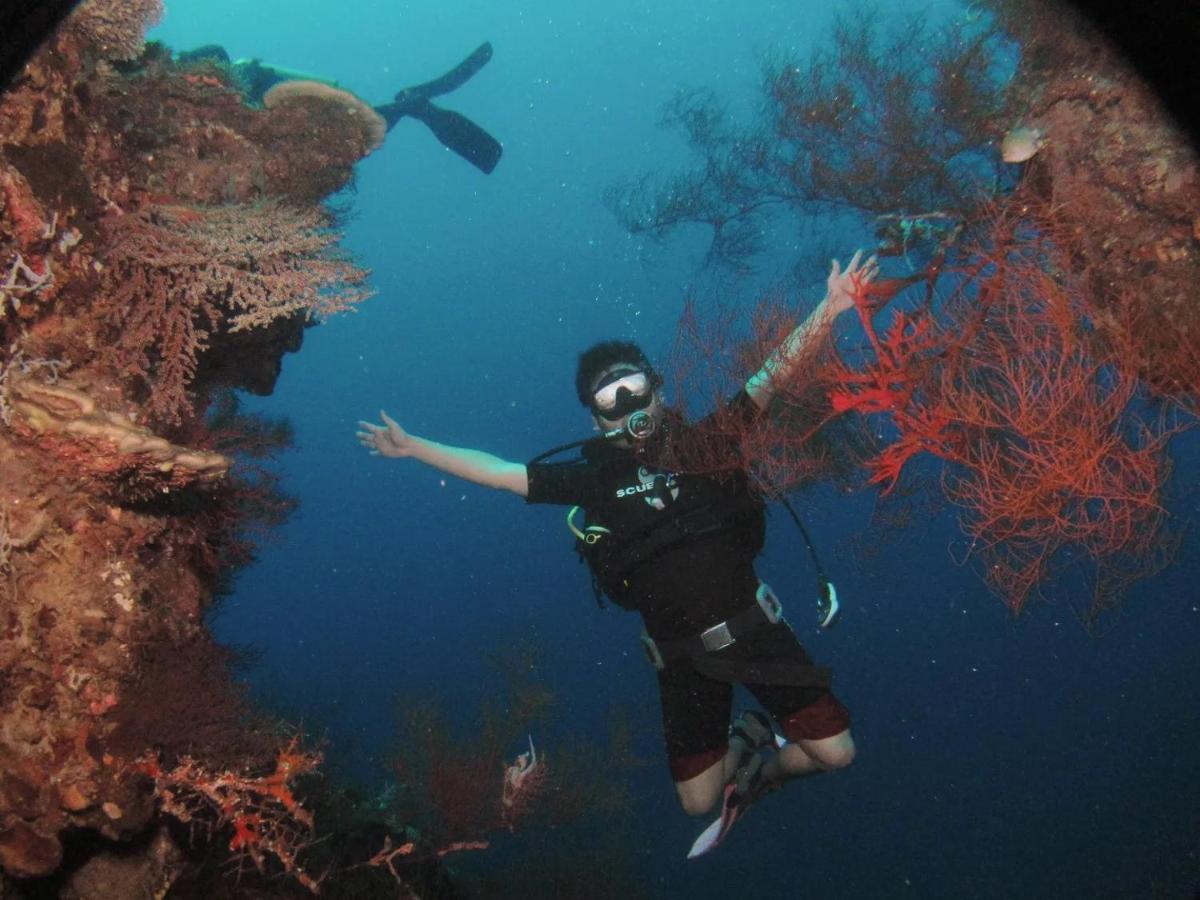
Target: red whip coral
x,y
1051,457
1004,379
1005,382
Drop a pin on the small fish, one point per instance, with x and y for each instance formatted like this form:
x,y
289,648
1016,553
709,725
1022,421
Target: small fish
x,y
1022,143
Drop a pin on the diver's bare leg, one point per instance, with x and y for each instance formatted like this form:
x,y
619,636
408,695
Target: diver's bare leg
x,y
802,758
699,795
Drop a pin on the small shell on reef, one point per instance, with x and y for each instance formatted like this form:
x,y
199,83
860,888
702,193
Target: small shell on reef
x,y
1022,143
112,810
77,797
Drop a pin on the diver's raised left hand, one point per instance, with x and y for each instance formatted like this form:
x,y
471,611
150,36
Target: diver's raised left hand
x,y
842,286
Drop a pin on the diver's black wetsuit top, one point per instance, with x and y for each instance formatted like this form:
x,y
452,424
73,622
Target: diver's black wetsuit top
x,y
691,585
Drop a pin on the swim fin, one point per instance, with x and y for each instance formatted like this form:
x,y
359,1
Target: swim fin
x,y
460,134
712,836
454,130
742,791
455,78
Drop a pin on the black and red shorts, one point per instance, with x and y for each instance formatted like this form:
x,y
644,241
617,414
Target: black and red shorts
x,y
696,708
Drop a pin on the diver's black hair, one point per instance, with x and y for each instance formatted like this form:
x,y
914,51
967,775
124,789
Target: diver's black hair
x,y
598,357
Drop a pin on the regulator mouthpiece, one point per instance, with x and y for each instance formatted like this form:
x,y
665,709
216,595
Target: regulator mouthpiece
x,y
640,425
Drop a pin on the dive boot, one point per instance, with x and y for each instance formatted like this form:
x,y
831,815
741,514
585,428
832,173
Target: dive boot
x,y
750,733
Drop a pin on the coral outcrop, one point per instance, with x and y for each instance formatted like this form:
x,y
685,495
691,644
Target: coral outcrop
x,y
161,240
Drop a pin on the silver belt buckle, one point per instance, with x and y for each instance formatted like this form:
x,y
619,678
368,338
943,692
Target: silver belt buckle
x,y
716,638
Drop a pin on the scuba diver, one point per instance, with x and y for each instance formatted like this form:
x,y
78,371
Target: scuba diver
x,y
679,549
455,131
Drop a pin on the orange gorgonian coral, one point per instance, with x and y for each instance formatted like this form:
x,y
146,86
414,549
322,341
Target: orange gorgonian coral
x,y
178,277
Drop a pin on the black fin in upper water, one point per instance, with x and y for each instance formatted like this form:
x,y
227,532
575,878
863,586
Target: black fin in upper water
x,y
452,80
454,130
460,134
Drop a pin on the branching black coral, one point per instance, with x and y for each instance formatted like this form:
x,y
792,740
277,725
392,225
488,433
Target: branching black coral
x,y
895,122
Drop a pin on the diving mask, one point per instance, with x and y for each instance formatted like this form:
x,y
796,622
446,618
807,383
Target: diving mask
x,y
621,393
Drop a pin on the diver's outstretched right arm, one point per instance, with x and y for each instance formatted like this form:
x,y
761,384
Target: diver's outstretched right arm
x,y
389,439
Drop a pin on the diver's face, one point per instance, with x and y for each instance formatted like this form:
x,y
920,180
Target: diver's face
x,y
621,391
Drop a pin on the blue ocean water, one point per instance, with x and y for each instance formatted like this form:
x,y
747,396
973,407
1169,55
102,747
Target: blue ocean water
x,y
997,759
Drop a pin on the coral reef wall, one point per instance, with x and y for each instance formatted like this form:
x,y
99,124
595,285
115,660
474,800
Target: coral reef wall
x,y
161,241
1124,179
